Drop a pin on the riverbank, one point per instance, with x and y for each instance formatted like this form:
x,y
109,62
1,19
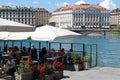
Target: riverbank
x,y
97,73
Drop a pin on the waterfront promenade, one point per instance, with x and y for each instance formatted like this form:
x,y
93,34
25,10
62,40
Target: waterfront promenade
x,y
94,30
97,73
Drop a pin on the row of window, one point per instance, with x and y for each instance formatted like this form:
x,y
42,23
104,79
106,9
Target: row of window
x,y
90,15
91,19
17,16
90,24
17,13
91,11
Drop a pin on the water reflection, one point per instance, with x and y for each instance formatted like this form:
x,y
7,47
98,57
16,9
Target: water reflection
x,y
108,47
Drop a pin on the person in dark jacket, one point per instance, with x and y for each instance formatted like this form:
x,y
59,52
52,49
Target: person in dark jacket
x,y
6,48
42,54
33,52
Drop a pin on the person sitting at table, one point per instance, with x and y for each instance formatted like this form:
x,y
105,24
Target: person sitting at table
x,y
11,65
42,54
9,52
24,51
16,54
60,54
53,53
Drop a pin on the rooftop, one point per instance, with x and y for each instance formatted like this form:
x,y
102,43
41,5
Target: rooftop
x,y
79,7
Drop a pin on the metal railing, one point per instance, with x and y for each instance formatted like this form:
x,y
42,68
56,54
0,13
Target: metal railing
x,y
78,48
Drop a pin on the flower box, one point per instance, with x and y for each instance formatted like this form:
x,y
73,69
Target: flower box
x,y
58,75
24,76
7,78
47,77
48,71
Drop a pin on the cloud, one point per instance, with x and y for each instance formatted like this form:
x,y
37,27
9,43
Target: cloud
x,y
80,2
49,2
35,2
62,4
108,4
9,3
27,6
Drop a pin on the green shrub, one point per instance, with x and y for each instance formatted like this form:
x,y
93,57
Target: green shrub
x,y
87,58
48,68
76,59
3,72
117,28
23,67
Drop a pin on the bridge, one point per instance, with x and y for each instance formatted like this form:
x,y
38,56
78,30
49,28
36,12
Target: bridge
x,y
95,30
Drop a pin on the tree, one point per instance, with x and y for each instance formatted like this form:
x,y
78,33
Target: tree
x,y
117,28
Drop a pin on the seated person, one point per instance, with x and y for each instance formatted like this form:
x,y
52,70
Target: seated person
x,y
11,66
70,56
42,54
53,53
24,51
60,54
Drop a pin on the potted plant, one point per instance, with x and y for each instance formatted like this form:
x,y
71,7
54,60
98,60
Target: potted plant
x,y
87,61
77,61
39,72
3,74
49,71
44,72
58,67
24,71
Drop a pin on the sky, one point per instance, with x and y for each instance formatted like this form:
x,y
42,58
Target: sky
x,y
51,5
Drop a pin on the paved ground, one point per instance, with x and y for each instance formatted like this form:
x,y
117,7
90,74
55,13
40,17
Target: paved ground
x,y
97,73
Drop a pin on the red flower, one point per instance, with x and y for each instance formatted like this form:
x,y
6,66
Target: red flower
x,y
29,60
40,69
58,65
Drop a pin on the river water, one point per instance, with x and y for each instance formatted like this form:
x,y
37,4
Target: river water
x,y
108,47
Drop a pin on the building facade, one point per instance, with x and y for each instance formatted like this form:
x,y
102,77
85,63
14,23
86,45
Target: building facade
x,y
30,16
81,16
42,16
115,17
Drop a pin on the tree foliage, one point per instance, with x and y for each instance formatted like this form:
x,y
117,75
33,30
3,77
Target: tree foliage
x,y
117,28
